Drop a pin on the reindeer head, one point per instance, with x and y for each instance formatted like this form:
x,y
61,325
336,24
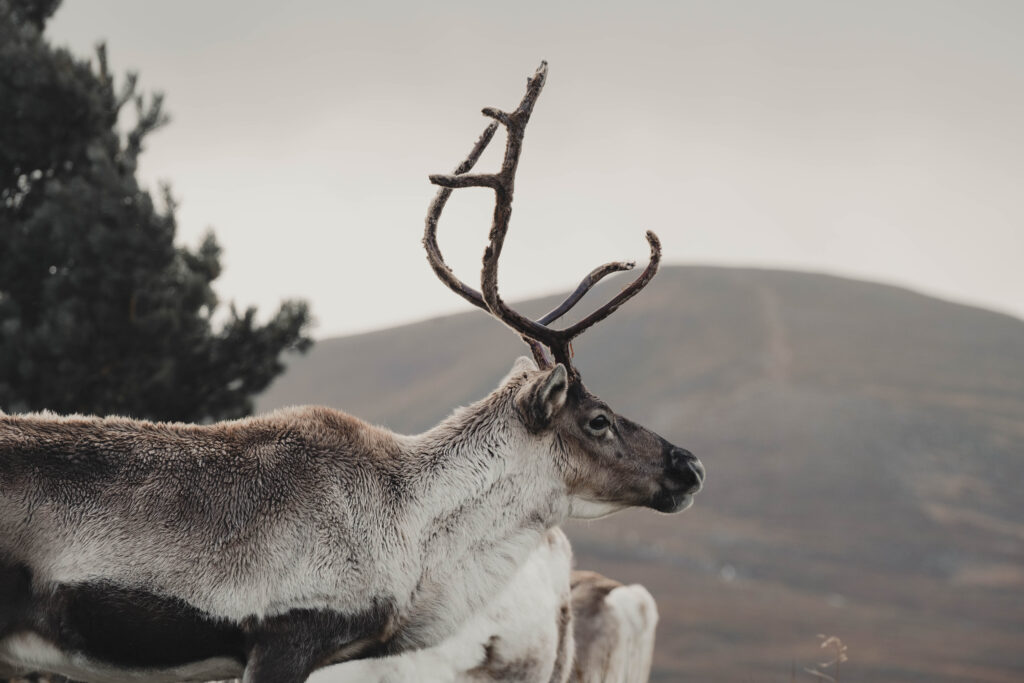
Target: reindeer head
x,y
608,462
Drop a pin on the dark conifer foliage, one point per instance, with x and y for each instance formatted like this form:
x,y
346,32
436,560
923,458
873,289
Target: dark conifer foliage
x,y
100,311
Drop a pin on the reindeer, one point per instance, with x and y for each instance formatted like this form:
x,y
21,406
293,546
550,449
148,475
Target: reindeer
x,y
270,546
613,627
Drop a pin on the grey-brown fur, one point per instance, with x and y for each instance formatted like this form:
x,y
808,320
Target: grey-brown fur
x,y
243,502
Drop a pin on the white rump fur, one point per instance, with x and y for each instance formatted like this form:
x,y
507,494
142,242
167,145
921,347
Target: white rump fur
x,y
616,643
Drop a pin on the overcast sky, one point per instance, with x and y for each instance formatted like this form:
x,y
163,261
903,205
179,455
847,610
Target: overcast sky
x,y
878,140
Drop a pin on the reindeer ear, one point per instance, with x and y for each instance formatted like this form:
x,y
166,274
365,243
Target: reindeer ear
x,y
541,399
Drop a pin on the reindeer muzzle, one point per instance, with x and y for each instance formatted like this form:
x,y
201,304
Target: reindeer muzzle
x,y
683,478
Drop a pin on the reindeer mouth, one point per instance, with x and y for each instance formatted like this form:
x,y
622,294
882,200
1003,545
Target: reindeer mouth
x,y
684,478
671,502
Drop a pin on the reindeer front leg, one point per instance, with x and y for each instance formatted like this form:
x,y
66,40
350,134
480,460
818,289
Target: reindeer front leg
x,y
282,661
287,648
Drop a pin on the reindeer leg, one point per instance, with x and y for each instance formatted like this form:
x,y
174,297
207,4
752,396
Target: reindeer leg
x,y
287,648
279,663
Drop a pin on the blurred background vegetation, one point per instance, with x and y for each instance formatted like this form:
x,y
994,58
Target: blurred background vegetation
x,y
100,311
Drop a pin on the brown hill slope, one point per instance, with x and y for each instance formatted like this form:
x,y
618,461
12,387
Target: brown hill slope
x,y
865,453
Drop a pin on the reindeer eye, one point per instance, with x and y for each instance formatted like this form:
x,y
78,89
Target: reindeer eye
x,y
599,423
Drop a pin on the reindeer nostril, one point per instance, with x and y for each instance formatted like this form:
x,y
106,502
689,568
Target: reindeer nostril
x,y
680,458
684,471
698,468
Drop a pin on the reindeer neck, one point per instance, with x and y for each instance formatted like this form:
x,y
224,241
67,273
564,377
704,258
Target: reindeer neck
x,y
482,456
472,446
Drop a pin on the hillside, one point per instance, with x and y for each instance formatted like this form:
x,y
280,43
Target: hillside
x,y
864,447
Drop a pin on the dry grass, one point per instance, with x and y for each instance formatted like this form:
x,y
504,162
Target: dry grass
x,y
834,646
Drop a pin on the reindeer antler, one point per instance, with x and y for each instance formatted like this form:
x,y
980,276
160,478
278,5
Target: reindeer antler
x,y
534,333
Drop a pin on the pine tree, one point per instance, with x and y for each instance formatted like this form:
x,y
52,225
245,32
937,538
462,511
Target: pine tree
x,y
100,311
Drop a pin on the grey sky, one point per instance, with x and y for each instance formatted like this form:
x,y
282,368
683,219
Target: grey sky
x,y
879,140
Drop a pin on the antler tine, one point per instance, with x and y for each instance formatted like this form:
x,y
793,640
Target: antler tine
x,y
515,123
631,290
592,278
561,349
434,255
